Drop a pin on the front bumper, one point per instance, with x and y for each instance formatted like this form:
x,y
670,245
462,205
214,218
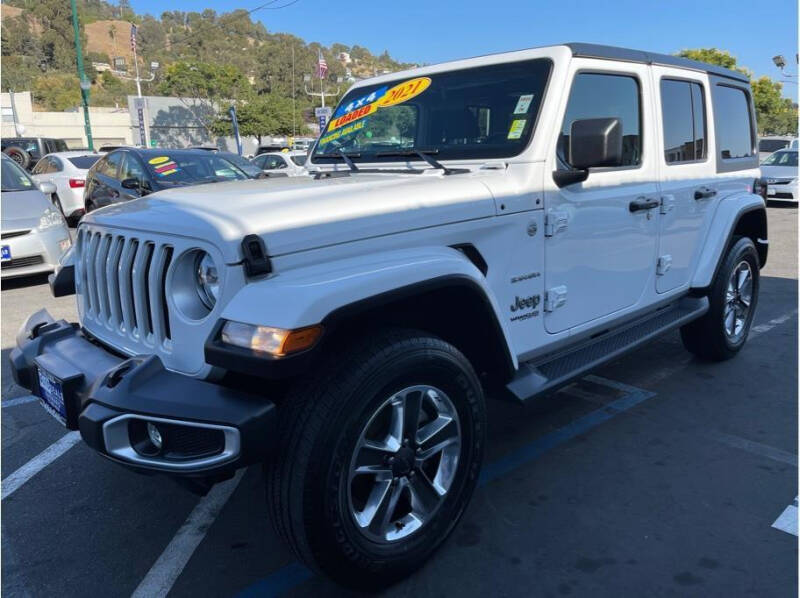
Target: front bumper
x,y
208,430
784,192
36,252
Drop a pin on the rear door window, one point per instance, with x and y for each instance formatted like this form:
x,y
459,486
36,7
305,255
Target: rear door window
x,y
110,165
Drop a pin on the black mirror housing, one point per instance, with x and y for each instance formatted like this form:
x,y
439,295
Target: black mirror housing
x,y
595,142
131,184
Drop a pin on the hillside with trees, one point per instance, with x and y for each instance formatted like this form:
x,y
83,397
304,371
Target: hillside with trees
x,y
223,56
220,57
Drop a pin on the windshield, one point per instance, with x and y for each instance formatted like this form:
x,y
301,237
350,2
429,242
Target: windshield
x,y
243,163
14,178
482,112
184,168
785,158
772,145
84,162
299,159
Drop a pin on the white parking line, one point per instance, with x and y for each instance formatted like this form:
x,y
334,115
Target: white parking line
x,y
757,448
787,521
163,574
761,328
18,401
14,482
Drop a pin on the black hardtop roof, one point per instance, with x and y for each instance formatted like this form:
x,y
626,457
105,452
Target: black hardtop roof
x,y
628,55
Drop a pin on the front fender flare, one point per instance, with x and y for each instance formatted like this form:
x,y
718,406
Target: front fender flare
x,y
310,294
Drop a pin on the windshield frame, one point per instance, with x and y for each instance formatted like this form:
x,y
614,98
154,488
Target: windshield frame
x,y
472,153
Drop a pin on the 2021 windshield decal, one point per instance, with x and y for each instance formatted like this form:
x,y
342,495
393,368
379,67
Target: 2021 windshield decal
x,y
380,98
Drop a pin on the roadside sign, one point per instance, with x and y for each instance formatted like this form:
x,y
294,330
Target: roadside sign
x,y
139,104
323,115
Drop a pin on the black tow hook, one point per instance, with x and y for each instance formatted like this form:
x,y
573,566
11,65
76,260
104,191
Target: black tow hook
x,y
116,376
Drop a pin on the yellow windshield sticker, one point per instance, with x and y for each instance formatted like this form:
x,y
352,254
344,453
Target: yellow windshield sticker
x,y
517,126
396,95
405,91
159,160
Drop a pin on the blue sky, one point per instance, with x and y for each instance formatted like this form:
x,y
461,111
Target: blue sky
x,y
438,30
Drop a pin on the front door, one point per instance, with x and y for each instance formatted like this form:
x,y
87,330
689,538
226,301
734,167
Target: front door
x,y
601,245
688,188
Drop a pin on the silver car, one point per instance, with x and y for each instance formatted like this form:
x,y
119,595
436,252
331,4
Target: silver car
x,y
34,234
781,171
67,171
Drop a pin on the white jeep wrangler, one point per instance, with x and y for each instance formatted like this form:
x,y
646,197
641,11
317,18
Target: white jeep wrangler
x,y
488,227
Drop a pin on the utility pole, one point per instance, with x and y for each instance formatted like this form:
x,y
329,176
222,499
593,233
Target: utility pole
x,y
85,85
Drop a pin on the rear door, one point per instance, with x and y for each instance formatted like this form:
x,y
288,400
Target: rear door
x,y
688,188
600,250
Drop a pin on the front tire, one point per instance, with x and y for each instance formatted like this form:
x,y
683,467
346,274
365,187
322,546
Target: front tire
x,y
379,457
722,332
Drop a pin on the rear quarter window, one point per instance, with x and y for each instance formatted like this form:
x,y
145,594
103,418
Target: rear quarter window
x,y
734,127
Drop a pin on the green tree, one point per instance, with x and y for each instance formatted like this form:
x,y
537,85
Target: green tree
x,y
204,87
774,113
268,114
57,92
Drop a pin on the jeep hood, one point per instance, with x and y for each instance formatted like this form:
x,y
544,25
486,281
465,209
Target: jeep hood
x,y
301,213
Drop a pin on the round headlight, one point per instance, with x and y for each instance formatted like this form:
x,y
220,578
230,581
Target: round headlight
x,y
207,279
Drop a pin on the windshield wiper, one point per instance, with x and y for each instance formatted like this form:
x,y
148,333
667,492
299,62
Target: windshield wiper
x,y
423,154
346,158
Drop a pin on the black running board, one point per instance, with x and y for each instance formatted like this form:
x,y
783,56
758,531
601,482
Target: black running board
x,y
548,373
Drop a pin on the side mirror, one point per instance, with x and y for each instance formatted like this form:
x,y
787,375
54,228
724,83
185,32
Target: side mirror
x,y
132,184
47,187
595,142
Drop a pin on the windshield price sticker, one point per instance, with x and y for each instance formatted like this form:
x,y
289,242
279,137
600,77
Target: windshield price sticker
x,y
342,132
517,126
167,168
362,101
523,103
358,109
158,160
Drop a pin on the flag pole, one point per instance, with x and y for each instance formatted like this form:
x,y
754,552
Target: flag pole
x,y
294,98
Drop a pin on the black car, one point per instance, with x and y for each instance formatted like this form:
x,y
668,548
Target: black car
x,y
128,173
27,151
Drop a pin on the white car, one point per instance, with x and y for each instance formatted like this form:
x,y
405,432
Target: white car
x,y
495,226
773,143
780,171
67,171
34,234
289,163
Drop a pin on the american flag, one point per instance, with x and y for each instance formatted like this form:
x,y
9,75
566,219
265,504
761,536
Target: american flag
x,y
133,38
322,66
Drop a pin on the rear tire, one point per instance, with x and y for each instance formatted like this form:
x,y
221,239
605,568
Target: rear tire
x,y
367,528
722,331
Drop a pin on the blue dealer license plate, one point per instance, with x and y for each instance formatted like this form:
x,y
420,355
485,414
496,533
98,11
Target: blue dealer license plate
x,y
51,392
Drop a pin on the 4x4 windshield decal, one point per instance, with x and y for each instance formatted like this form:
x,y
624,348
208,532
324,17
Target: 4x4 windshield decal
x,y
383,98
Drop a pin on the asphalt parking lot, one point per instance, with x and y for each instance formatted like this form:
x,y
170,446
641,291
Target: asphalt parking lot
x,y
658,475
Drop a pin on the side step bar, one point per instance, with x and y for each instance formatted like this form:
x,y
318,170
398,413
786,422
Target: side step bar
x,y
550,372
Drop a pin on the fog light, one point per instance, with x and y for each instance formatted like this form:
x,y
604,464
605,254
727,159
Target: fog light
x,y
154,435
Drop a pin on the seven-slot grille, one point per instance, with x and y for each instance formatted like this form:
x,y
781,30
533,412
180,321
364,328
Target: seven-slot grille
x,y
121,282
